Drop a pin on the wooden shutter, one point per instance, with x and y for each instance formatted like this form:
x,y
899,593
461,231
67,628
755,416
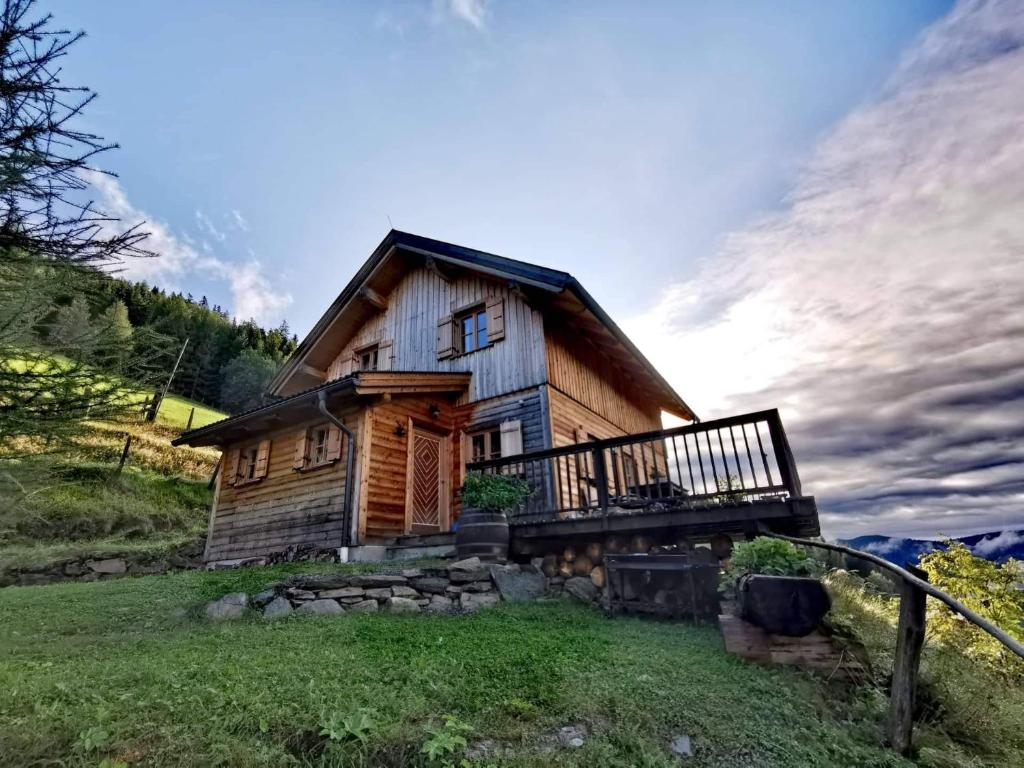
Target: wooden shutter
x,y
384,355
231,466
446,338
301,451
511,438
495,319
333,443
262,458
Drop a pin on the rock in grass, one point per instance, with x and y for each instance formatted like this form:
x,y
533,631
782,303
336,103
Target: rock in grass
x,y
466,577
378,580
681,746
468,564
472,601
433,585
401,591
321,607
582,588
343,592
113,565
366,606
277,608
439,604
402,605
264,598
231,606
517,585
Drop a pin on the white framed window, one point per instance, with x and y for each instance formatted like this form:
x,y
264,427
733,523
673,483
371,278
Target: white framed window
x,y
471,327
485,445
247,465
368,358
318,447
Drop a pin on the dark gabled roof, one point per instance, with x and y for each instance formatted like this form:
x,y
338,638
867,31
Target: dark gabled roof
x,y
194,435
543,278
360,383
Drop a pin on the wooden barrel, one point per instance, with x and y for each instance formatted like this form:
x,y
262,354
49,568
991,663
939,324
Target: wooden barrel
x,y
783,605
482,533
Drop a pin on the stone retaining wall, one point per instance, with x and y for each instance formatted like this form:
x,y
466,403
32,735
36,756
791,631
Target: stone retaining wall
x,y
99,567
463,586
115,565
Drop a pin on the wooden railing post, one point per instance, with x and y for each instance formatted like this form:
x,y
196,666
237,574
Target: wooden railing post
x,y
909,640
600,477
784,455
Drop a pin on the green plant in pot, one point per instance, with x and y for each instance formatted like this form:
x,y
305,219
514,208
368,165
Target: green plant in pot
x,y
482,528
776,586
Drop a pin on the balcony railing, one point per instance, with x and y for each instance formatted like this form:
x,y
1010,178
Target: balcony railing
x,y
726,461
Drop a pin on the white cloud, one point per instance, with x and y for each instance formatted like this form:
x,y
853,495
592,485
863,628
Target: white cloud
x,y
253,296
239,220
880,308
207,226
998,544
473,12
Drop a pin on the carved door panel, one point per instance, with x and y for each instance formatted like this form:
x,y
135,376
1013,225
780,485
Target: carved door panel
x,y
427,500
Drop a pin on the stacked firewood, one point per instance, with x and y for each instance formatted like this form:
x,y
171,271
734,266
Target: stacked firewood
x,y
587,560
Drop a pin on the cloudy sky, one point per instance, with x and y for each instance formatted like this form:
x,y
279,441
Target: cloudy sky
x,y
815,206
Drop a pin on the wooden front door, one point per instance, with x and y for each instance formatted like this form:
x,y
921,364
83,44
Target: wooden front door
x,y
426,495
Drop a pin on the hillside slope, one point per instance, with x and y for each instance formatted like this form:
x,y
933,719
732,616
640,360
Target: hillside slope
x,y
70,500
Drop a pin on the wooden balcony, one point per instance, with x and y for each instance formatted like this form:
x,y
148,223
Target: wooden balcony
x,y
724,476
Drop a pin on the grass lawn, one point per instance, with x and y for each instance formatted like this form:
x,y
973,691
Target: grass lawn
x,y
60,501
175,409
129,672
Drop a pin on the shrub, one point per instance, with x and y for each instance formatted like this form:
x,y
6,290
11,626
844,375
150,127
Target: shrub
x,y
989,589
493,492
766,555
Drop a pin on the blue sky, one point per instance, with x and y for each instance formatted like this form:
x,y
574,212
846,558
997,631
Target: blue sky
x,y
592,137
805,205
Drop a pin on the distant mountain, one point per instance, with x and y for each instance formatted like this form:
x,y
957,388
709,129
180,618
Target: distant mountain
x,y
997,546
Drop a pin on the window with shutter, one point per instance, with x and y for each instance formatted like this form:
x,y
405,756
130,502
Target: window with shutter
x,y
319,446
231,466
511,438
446,338
384,355
471,330
333,443
301,451
262,460
367,358
495,319
248,462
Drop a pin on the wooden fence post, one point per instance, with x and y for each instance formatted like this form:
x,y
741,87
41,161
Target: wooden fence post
x,y
124,454
909,640
191,415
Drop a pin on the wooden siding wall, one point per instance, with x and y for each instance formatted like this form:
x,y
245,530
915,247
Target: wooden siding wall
x,y
383,513
410,322
579,371
382,506
285,507
568,420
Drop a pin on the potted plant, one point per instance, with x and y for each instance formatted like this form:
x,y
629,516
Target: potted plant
x,y
482,528
776,587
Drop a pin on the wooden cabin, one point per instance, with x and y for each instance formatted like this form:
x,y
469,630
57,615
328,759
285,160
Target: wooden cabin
x,y
432,358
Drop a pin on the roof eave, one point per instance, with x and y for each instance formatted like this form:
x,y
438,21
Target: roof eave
x,y
591,304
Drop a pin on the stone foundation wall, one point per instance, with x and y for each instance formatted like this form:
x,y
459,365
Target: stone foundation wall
x,y
186,558
463,586
98,567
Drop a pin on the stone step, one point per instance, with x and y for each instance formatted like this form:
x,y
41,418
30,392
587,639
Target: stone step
x,y
423,540
415,553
